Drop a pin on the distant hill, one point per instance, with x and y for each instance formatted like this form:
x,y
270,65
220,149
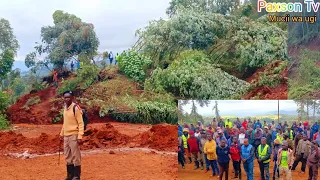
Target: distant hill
x,y
284,112
20,65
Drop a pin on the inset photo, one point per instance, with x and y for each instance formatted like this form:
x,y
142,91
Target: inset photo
x,y
304,52
248,139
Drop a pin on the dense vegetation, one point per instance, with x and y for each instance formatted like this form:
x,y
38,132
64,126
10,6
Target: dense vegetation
x,y
203,50
306,84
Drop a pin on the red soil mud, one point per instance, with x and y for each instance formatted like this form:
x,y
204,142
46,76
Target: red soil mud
x,y
159,137
37,113
119,166
265,92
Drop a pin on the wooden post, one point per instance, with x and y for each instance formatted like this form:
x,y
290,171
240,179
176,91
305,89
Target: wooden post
x,y
278,113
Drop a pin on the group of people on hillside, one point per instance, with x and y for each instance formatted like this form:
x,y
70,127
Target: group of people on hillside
x,y
221,142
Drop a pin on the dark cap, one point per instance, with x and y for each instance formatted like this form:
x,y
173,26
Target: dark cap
x,y
68,92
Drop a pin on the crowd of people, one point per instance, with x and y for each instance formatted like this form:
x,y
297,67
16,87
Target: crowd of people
x,y
216,144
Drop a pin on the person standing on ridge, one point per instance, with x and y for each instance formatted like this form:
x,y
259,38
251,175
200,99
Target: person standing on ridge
x,y
117,59
55,79
71,133
72,66
111,57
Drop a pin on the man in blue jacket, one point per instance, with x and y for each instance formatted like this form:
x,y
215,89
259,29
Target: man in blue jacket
x,y
247,155
258,123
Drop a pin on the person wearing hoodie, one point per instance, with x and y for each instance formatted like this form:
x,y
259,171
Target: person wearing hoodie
x,y
314,161
236,158
247,155
211,154
263,156
194,147
285,161
223,152
302,152
277,146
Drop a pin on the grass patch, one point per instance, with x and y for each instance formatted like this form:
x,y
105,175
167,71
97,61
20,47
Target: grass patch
x,y
32,101
4,123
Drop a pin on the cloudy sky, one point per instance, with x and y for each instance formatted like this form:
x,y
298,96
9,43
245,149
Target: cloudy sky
x,y
244,107
115,21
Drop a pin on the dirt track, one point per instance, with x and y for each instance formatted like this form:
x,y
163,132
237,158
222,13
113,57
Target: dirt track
x,y
140,161
190,174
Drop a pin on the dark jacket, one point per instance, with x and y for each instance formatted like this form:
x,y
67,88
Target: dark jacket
x,y
223,153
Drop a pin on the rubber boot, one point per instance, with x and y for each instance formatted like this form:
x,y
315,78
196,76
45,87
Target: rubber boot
x,y
77,172
196,165
190,160
202,166
70,172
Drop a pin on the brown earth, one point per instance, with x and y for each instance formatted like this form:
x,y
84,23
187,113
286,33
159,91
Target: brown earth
x,y
120,164
104,166
264,92
97,136
190,174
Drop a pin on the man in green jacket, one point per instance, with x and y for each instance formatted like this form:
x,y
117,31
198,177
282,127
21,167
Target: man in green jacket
x,y
263,154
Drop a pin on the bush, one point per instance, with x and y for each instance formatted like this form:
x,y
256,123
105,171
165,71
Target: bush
x,y
134,65
4,101
191,76
33,100
4,123
88,75
69,85
150,113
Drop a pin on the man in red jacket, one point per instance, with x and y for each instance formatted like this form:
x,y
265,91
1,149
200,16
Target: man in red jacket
x,y
236,158
194,149
244,124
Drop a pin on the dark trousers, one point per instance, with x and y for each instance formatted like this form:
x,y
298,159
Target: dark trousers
x,y
303,161
214,167
264,170
313,172
224,167
111,60
180,158
275,168
237,168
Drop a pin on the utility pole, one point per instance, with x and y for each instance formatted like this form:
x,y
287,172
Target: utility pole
x,y
278,112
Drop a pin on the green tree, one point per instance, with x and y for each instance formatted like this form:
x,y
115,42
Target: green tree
x,y
216,6
8,48
67,39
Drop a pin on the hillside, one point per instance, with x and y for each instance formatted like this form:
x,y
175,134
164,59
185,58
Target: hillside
x,y
113,97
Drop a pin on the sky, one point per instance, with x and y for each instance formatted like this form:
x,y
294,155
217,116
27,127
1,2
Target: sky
x,y
244,107
115,21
